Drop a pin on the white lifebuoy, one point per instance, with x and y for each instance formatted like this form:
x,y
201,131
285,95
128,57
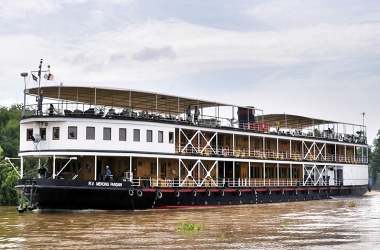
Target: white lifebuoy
x,y
194,192
224,151
255,191
221,192
295,191
177,193
239,192
130,192
168,182
159,194
269,191
308,191
208,192
139,193
340,137
282,191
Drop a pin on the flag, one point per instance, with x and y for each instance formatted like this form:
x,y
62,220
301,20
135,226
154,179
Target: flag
x,y
49,77
34,78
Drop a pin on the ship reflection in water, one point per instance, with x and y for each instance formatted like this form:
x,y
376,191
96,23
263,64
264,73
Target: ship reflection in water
x,y
324,224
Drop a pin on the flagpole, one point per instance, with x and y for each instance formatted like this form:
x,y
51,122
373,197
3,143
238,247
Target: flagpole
x,y
39,78
24,74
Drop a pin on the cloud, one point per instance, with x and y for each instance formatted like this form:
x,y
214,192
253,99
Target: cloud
x,y
149,54
20,9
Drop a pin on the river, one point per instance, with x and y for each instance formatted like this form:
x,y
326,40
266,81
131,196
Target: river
x,y
326,224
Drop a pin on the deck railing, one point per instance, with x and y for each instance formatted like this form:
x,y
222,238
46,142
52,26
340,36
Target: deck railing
x,y
85,110
245,153
234,182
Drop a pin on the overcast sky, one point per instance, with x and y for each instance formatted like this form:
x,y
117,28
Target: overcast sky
x,y
313,58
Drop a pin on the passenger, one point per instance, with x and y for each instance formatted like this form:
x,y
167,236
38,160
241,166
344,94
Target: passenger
x,y
51,110
278,124
108,173
188,113
42,172
196,115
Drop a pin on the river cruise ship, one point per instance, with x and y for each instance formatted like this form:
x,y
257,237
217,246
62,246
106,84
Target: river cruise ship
x,y
108,148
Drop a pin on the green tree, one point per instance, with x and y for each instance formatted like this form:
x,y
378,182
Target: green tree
x,y
8,180
375,159
10,129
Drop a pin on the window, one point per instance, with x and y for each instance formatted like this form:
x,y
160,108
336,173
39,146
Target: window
x,y
122,134
171,137
90,133
136,135
257,144
72,133
55,133
149,135
295,173
29,134
106,133
43,134
153,168
160,136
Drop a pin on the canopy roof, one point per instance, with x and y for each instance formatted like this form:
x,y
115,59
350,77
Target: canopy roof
x,y
156,102
292,121
123,98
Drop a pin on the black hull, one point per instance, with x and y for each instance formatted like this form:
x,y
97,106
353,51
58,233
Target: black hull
x,y
75,194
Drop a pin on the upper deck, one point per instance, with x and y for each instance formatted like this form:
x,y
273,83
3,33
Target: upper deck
x,y
109,103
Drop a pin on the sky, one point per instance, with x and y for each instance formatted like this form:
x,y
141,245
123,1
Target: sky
x,y
312,58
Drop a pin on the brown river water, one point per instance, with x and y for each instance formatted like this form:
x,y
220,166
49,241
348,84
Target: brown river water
x,y
326,224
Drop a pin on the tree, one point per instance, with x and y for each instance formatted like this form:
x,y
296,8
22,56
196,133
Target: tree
x,y
10,129
8,180
375,159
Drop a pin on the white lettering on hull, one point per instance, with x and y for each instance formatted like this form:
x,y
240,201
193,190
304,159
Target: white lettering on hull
x,y
104,184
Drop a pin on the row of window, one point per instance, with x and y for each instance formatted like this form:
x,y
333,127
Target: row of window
x,y
90,134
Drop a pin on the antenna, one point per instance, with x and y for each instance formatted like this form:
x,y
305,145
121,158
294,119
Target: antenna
x,y
39,77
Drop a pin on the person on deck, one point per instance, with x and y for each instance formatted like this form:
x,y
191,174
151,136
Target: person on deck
x,y
108,173
188,113
51,110
42,172
196,115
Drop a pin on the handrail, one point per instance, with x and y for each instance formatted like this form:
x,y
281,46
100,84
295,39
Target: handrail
x,y
236,182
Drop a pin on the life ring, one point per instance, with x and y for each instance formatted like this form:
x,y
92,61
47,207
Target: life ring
x,y
308,191
194,192
255,191
340,137
295,191
177,193
168,182
221,192
269,191
159,194
144,113
224,151
139,193
239,192
130,192
208,192
282,191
